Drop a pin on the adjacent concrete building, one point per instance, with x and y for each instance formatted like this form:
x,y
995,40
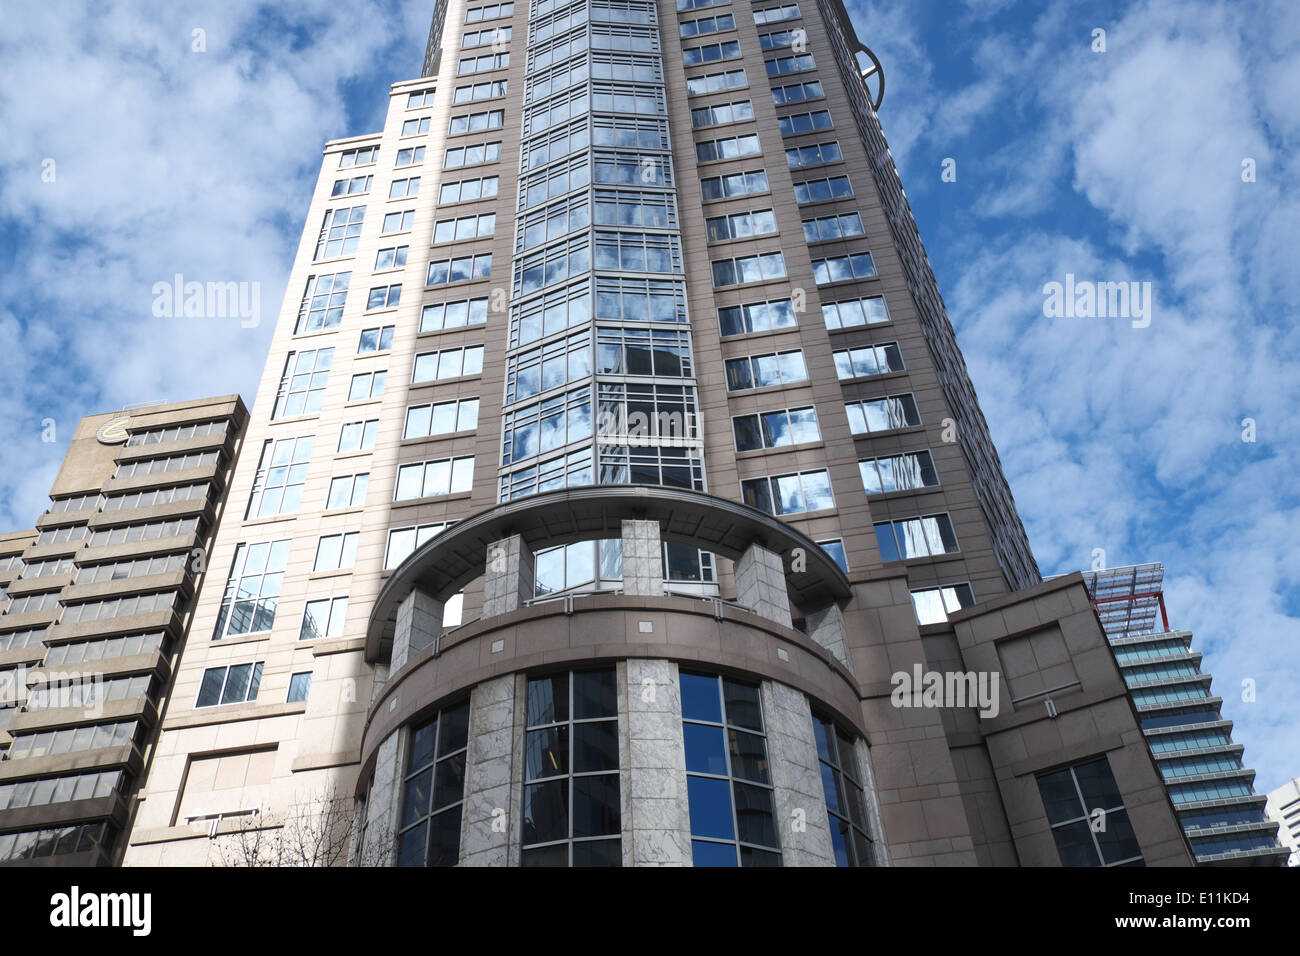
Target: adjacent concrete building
x,y
1284,808
1181,719
96,603
616,494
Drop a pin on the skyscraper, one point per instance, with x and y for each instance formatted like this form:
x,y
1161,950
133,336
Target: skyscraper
x,y
594,514
1210,786
95,604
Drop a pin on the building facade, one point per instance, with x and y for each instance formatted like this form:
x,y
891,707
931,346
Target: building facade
x,y
593,514
1284,808
95,604
1190,739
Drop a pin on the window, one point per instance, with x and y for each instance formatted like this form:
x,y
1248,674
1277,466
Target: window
x,y
663,352
28,637
728,784
843,268
323,302
566,471
867,310
460,269
74,532
916,537
869,360
640,300
350,187
757,317
554,364
731,147
846,799
716,82
172,463
835,548
402,188
571,811
159,496
358,157
280,477
302,387
1072,798
253,589
558,263
453,315
787,11
358,436
797,92
489,37
734,184
482,64
59,506
476,122
443,418
235,684
420,98
635,413
458,156
410,156
800,157
710,52
375,340
414,127
433,789
760,268
796,63
883,414
152,531
367,385
299,687
760,371
48,743
556,310
48,790
797,123
348,491
820,190
775,429
544,426
741,225
489,12
723,21
466,189
780,39
38,569
31,603
384,297
722,113
447,476
402,542
697,4
340,232
833,227
336,552
906,472
933,605
448,363
789,494
399,221
465,227
472,92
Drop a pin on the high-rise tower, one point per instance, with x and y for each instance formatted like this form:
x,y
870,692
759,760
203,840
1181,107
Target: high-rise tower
x,y
613,457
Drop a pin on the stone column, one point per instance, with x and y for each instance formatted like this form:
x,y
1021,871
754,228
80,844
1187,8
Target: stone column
x,y
643,560
380,845
419,622
826,627
875,822
508,577
760,584
796,776
656,821
485,821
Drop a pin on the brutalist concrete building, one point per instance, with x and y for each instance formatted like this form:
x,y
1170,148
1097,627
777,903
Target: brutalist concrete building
x,y
95,603
594,514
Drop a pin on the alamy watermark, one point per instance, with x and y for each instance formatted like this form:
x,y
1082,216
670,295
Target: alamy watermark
x,y
920,688
1085,299
208,300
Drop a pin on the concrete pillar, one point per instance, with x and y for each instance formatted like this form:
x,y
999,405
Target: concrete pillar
x,y
875,822
826,627
760,584
490,800
380,845
796,776
508,578
656,814
419,622
643,560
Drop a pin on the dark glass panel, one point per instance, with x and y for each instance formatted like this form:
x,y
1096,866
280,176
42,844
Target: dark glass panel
x,y
710,802
700,698
596,805
705,749
595,746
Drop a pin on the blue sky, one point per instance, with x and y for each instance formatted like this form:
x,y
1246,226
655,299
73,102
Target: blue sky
x,y
1123,165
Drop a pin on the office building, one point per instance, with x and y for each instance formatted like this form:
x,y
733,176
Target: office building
x,y
1284,807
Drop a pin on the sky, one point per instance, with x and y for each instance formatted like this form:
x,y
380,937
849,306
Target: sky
x,y
142,141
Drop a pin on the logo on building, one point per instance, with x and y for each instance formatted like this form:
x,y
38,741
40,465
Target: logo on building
x,y
113,431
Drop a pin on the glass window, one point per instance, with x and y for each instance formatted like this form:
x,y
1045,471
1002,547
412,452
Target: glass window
x,y
433,790
846,799
1087,816
253,588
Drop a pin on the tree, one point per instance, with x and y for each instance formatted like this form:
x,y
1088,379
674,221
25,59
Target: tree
x,y
318,831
